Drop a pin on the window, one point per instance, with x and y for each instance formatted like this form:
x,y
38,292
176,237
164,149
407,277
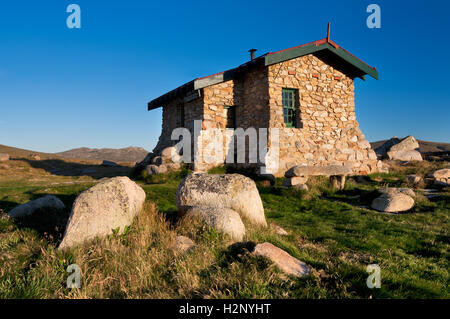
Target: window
x,y
289,97
231,116
180,115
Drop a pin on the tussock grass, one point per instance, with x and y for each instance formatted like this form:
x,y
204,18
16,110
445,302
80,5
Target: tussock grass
x,y
333,231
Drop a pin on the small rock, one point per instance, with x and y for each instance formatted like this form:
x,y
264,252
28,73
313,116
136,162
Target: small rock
x,y
413,179
280,231
283,260
184,243
4,157
29,208
224,220
441,177
154,169
393,203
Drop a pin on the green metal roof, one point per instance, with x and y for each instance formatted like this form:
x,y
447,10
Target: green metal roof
x,y
325,49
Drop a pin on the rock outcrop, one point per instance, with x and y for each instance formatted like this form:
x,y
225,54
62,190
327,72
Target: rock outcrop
x,y
233,191
46,202
107,206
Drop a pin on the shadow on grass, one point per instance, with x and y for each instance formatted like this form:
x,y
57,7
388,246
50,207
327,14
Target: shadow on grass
x,y
49,223
66,168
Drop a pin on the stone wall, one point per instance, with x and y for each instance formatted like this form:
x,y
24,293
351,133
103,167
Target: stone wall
x,y
327,131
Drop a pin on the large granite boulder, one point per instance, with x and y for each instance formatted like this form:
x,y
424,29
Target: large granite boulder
x,y
409,143
409,155
283,260
224,220
4,157
107,206
233,191
46,202
393,202
406,149
385,147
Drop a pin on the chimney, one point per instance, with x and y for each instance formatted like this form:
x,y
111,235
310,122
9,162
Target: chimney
x,y
252,54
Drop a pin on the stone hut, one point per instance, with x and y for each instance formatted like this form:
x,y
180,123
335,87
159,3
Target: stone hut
x,y
306,92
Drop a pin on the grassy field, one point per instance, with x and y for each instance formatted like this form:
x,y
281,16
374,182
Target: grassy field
x,y
334,232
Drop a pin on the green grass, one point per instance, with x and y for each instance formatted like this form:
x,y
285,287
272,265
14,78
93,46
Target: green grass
x,y
334,232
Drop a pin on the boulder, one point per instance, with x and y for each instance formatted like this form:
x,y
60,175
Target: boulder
x,y
409,155
409,143
170,155
184,243
385,147
154,169
224,220
283,260
413,179
396,190
4,157
232,191
328,170
107,206
393,203
46,202
441,177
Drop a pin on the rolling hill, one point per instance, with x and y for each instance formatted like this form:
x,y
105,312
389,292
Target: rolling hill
x,y
128,154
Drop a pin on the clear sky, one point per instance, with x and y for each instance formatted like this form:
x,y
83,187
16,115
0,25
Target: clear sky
x,y
63,88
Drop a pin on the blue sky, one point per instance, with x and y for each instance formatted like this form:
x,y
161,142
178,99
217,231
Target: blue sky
x,y
63,88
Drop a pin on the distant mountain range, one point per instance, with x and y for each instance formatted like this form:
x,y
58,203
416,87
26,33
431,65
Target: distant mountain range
x,y
128,154
137,154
